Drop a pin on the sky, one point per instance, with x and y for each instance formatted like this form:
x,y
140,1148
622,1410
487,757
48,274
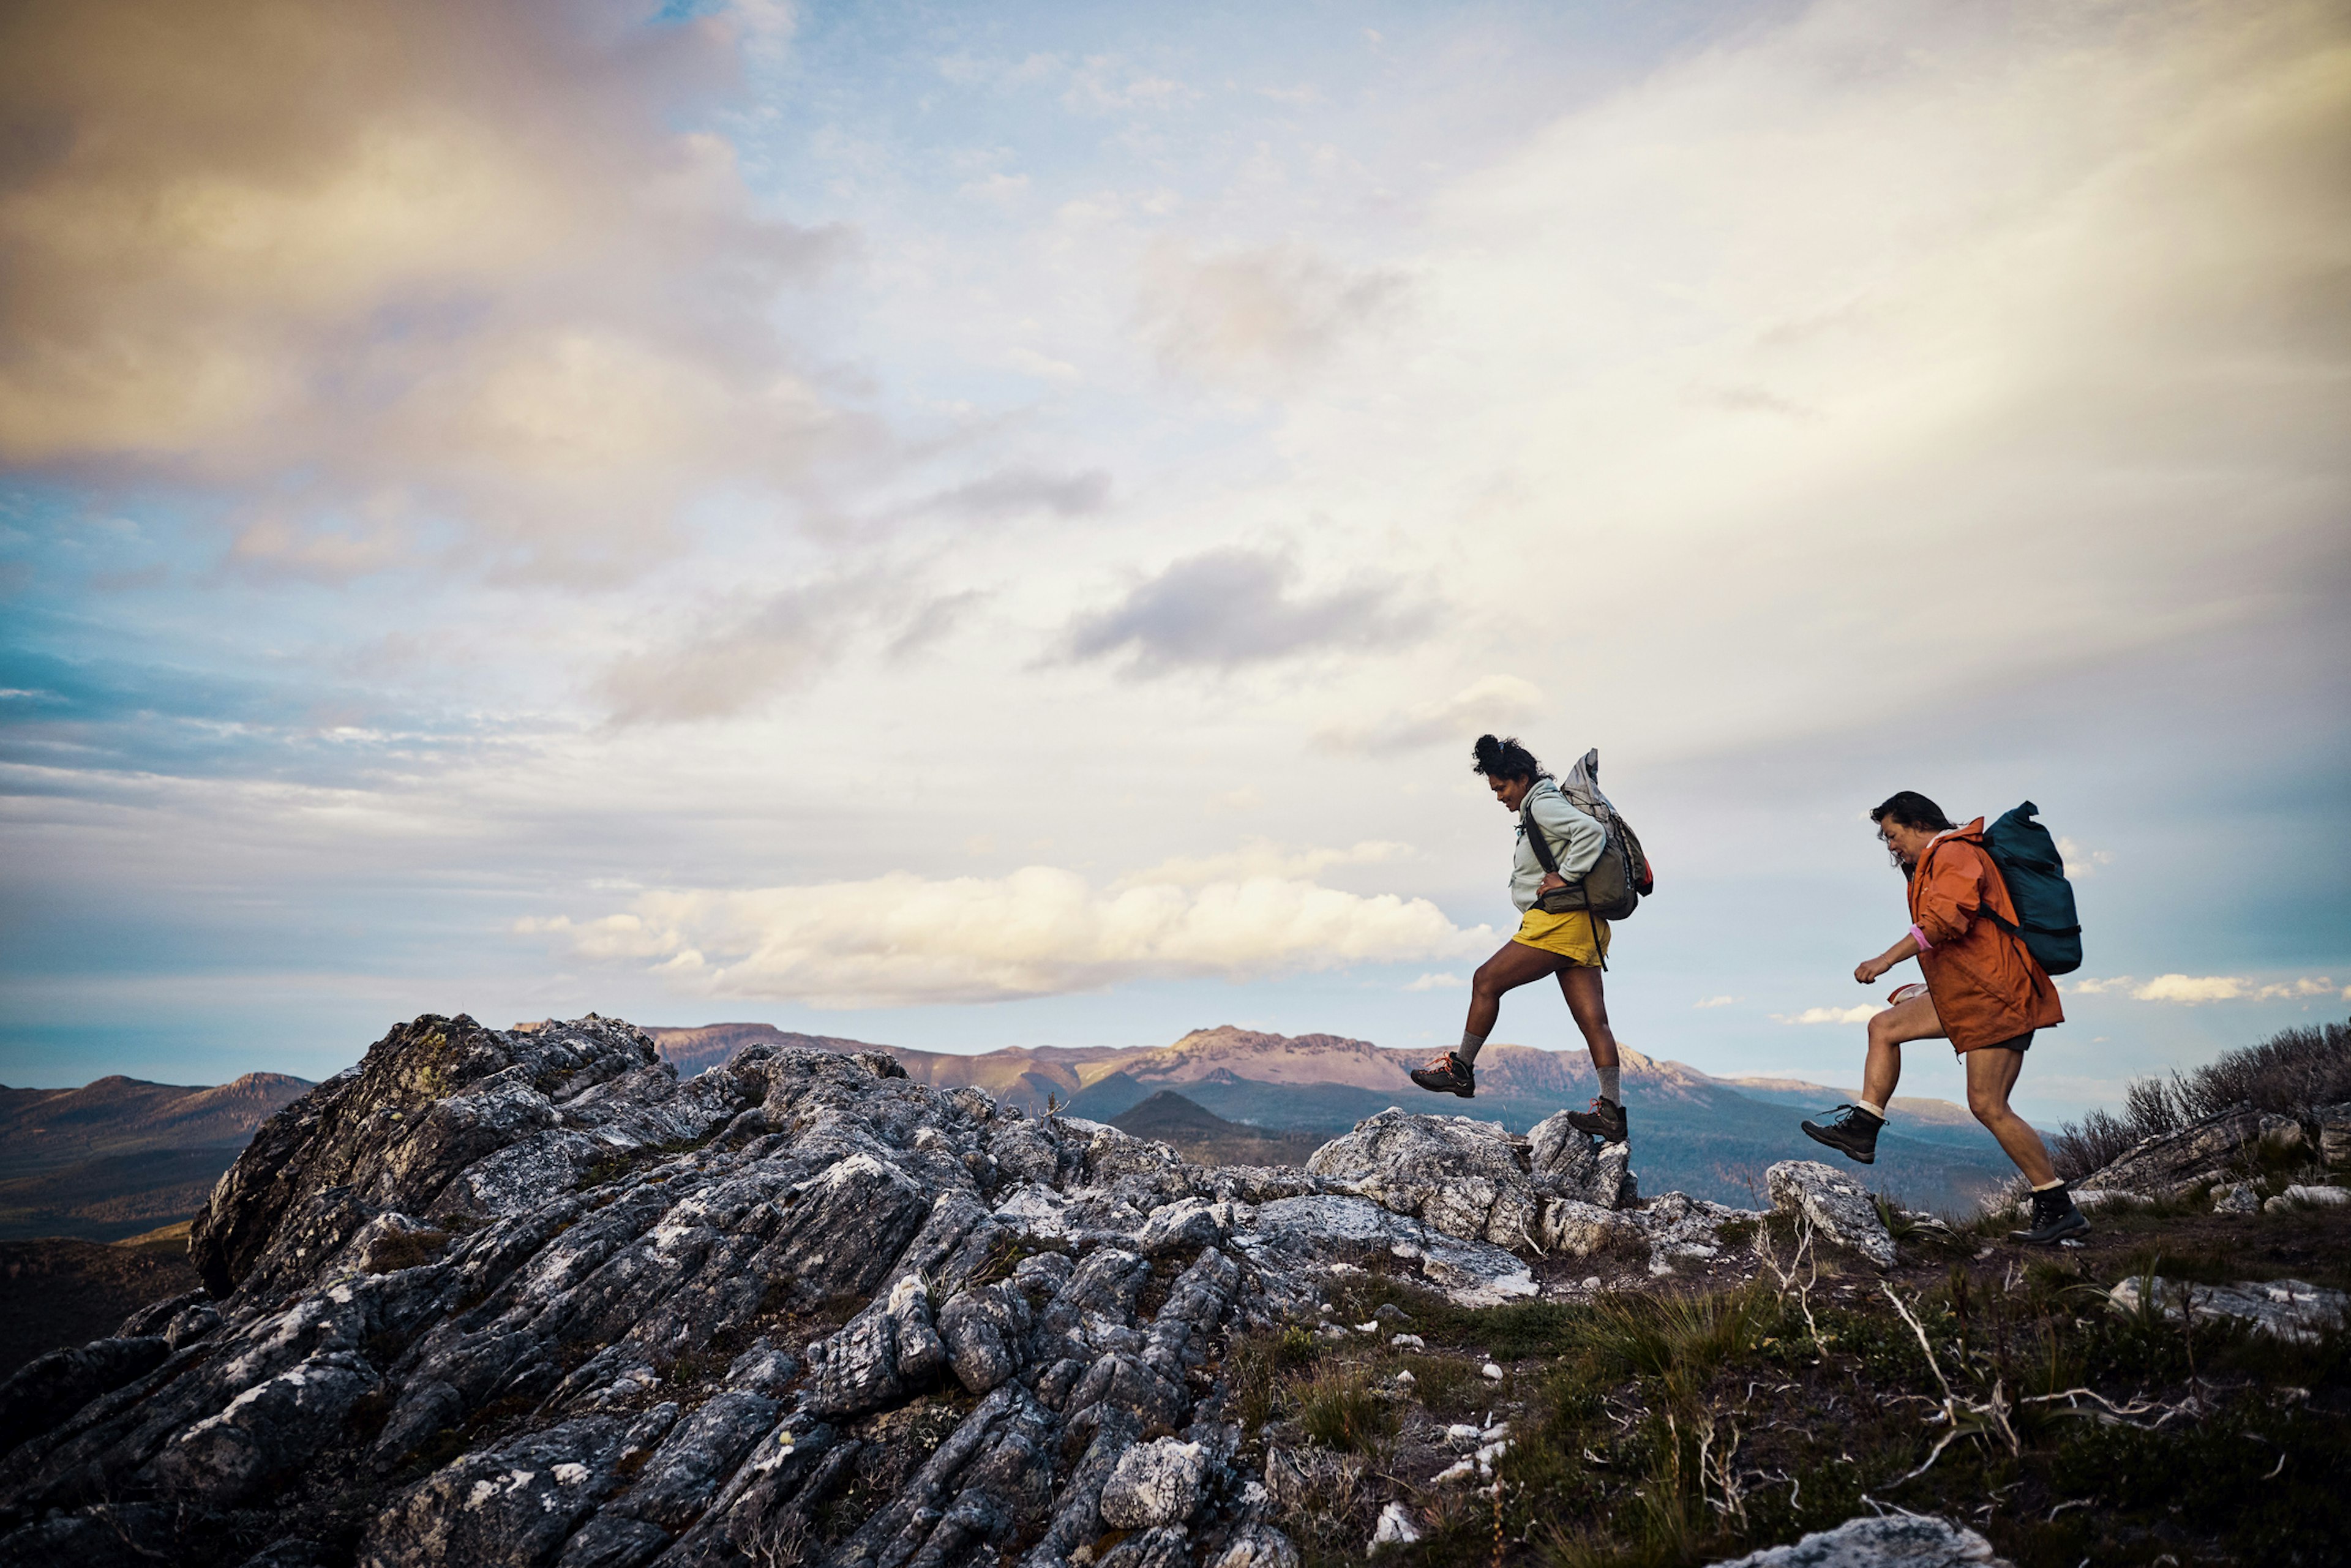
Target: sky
x,y
964,526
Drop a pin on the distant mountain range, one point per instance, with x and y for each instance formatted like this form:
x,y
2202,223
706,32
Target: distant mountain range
x,y
1709,1136
121,1155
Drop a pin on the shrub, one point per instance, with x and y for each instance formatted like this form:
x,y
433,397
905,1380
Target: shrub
x,y
2288,1075
1340,1409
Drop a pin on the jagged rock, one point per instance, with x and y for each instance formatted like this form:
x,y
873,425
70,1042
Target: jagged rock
x,y
2236,1197
1841,1210
1259,1546
48,1388
1395,1527
1155,1483
1896,1540
2284,1309
1582,1167
2334,1124
2301,1197
2281,1134
2172,1163
556,1307
1462,1177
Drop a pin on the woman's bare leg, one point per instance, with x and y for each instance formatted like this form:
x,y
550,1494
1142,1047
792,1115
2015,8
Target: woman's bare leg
x,y
1991,1073
1888,1031
1516,964
1588,1005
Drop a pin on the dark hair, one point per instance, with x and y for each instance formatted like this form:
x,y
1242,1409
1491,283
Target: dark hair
x,y
1505,758
1912,809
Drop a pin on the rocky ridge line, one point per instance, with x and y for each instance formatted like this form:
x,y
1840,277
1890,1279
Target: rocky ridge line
x,y
526,1298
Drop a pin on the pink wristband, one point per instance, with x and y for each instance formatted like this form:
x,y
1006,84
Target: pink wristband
x,y
1920,937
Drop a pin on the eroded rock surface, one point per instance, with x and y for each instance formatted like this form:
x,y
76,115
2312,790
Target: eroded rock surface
x,y
2172,1163
526,1298
1839,1208
1896,1540
2285,1308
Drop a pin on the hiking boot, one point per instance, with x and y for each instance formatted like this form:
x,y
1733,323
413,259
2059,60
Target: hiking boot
x,y
2054,1219
1852,1135
1448,1074
1605,1121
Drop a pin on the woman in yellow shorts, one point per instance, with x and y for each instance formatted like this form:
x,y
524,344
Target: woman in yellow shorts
x,y
1569,945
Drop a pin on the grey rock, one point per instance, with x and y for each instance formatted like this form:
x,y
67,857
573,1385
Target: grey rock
x,y
700,1454
2236,1197
1259,1546
856,1369
614,1541
266,1431
1897,1540
1839,1208
1457,1176
513,1505
2289,1309
1156,1483
48,1388
2172,1163
1167,1546
1579,1166
986,1333
2334,1124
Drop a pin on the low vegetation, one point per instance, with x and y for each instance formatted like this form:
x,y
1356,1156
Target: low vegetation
x,y
1999,1389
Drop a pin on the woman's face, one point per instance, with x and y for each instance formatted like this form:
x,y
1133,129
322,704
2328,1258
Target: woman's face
x,y
1510,792
1904,842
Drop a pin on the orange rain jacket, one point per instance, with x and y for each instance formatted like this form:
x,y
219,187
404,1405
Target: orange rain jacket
x,y
1986,987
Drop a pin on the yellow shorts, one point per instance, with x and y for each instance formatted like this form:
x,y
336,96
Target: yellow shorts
x,y
1569,936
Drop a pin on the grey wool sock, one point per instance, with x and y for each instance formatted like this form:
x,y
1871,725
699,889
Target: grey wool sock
x,y
1468,1050
1610,1089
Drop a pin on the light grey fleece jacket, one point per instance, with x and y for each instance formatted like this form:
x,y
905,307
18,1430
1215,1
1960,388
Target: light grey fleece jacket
x,y
1575,840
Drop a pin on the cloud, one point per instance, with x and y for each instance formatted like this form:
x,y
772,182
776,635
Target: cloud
x,y
402,265
1495,703
1861,1014
1261,858
1719,1002
753,652
902,940
2082,863
1249,314
1434,982
2096,988
1017,492
1234,607
2191,990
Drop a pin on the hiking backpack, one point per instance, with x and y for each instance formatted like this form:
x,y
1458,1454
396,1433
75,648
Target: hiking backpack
x,y
1620,878
2035,874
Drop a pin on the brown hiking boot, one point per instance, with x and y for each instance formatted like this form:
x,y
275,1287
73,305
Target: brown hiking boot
x,y
1605,1120
1448,1074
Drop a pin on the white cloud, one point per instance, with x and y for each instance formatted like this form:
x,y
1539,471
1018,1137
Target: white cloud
x,y
1260,858
1495,703
1715,1002
1861,1014
2082,863
2193,989
901,940
1437,983
2096,988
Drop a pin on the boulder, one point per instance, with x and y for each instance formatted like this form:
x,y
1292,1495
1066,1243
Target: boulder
x,y
2283,1309
1580,1167
1895,1540
2171,1164
1457,1176
2301,1196
1259,1546
2236,1197
1839,1208
2334,1124
1156,1483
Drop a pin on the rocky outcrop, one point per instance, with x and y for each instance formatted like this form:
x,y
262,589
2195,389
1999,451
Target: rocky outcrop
x,y
2334,1123
1839,1208
1895,1540
527,1297
2172,1165
2283,1309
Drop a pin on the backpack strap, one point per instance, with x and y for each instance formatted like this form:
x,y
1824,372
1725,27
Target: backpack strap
x,y
1543,856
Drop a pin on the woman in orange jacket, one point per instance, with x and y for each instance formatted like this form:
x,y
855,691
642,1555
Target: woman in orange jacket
x,y
1983,993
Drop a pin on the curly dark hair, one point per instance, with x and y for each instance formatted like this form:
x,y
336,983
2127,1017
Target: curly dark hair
x,y
1505,758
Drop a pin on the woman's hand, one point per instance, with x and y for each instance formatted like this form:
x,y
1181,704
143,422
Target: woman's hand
x,y
1550,882
1868,969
